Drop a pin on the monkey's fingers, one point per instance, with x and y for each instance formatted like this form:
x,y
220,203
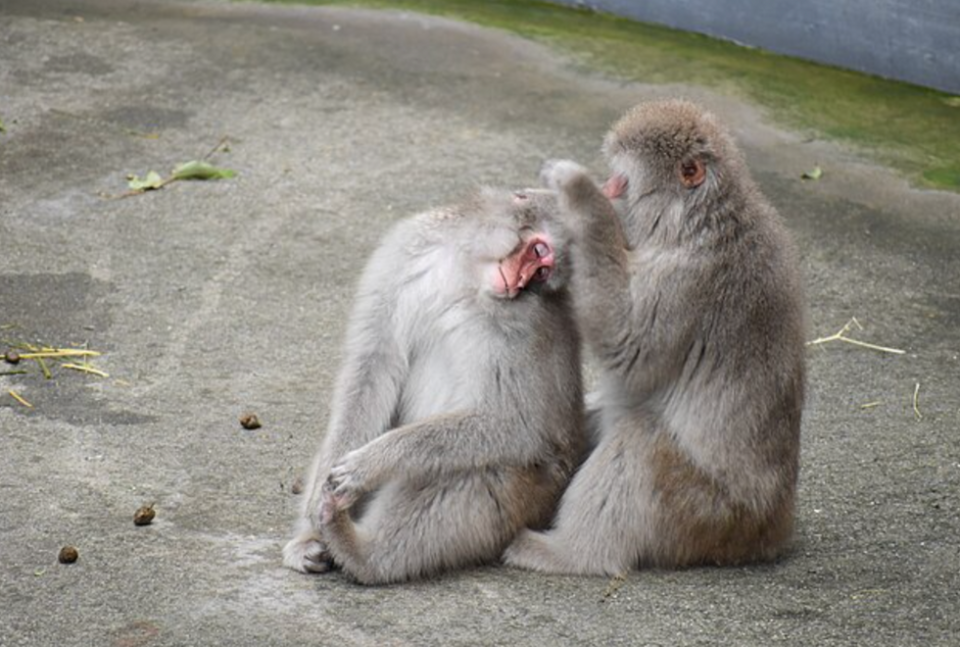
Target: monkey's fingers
x,y
349,478
336,497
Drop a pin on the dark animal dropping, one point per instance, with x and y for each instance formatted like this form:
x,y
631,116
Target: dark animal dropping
x,y
68,555
144,515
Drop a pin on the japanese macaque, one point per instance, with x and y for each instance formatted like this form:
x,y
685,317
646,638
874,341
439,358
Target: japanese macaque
x,y
686,288
458,417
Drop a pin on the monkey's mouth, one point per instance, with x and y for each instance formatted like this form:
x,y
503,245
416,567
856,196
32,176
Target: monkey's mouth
x,y
531,262
616,186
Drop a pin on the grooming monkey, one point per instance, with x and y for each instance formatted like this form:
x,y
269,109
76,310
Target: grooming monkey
x,y
458,417
691,301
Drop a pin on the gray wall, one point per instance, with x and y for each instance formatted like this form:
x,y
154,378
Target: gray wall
x,y
911,40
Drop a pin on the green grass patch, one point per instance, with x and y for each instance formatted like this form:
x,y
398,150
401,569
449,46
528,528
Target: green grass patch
x,y
909,128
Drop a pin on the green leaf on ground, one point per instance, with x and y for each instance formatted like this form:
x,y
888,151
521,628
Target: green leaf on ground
x,y
151,181
201,171
813,174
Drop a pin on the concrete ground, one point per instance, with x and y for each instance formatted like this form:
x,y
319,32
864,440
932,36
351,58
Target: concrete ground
x,y
209,299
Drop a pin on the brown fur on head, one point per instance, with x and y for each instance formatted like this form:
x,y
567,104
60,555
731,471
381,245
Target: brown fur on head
x,y
671,144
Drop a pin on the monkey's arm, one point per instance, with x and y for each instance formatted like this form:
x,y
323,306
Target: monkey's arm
x,y
601,279
633,306
366,397
368,386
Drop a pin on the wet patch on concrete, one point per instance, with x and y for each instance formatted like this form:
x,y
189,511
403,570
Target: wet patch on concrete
x,y
60,310
77,63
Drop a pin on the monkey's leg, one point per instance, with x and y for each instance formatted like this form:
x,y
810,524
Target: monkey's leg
x,y
418,529
604,517
698,519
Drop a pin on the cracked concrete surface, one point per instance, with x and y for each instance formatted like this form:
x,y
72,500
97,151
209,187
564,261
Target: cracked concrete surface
x,y
211,299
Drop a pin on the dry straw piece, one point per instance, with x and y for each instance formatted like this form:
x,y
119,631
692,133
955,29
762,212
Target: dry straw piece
x,y
841,335
20,353
916,403
19,398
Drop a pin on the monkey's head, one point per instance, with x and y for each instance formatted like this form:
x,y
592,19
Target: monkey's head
x,y
521,248
671,147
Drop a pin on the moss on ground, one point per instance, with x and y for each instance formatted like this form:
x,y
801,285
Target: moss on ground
x,y
912,129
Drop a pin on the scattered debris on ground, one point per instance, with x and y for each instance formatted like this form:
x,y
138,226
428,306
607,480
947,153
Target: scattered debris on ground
x,y
297,487
193,170
40,359
613,586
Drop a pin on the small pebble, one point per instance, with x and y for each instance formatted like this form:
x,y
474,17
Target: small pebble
x,y
12,357
68,555
297,486
249,421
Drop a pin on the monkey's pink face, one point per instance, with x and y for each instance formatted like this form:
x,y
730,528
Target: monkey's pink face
x,y
531,262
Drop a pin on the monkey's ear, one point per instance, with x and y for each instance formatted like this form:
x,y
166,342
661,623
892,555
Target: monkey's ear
x,y
692,172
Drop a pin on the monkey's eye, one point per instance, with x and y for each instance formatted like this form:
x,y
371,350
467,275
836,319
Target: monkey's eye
x,y
692,172
541,250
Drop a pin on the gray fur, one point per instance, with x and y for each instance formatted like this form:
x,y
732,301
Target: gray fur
x,y
691,301
457,419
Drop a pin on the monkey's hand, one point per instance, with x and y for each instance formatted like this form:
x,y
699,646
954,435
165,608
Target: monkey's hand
x,y
352,476
557,174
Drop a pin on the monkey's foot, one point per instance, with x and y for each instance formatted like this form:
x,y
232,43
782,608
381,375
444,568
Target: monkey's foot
x,y
538,551
307,554
528,551
557,174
